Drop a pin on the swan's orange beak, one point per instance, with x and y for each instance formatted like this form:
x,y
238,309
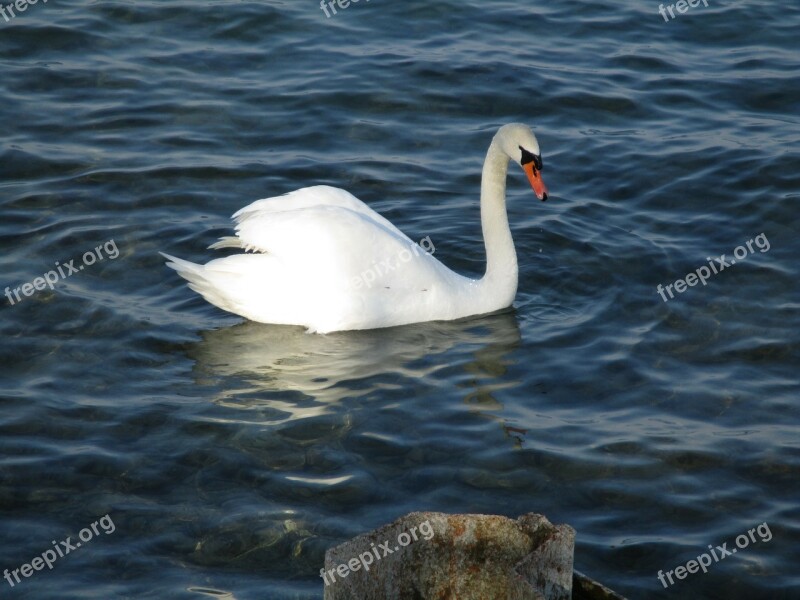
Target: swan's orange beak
x,y
537,183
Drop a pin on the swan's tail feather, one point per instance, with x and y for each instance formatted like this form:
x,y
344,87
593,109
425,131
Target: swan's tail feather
x,y
229,241
198,281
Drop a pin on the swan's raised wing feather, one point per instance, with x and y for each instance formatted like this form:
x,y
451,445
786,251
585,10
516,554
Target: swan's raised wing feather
x,y
336,244
325,231
312,197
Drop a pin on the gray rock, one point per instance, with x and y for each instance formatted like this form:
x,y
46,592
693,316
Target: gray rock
x,y
464,557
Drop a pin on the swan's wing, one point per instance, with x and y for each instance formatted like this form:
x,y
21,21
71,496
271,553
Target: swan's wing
x,y
311,197
329,235
332,245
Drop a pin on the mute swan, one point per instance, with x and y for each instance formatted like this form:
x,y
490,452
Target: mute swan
x,y
312,248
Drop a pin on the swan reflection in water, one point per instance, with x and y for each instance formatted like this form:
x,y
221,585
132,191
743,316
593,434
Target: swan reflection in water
x,y
288,374
314,422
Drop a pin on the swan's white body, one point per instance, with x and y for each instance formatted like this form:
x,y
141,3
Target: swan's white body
x,y
323,259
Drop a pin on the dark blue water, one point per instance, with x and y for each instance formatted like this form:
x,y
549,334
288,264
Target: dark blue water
x,y
230,455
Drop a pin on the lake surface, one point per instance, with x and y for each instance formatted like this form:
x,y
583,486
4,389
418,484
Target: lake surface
x,y
230,455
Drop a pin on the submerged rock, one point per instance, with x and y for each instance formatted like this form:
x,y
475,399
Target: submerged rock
x,y
447,557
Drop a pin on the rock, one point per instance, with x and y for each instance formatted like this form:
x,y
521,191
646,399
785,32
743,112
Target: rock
x,y
585,588
447,557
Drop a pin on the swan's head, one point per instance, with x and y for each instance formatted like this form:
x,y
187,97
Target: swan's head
x,y
519,143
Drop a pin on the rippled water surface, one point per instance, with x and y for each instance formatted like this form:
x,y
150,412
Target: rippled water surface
x,y
230,455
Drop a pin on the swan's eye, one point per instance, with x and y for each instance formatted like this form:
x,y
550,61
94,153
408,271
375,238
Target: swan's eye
x,y
528,157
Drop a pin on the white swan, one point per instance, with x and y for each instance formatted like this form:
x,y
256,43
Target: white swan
x,y
323,259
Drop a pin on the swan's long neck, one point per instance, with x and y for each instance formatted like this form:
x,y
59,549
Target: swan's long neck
x,y
500,281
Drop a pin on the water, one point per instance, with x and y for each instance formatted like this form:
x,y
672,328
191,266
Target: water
x,y
231,455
